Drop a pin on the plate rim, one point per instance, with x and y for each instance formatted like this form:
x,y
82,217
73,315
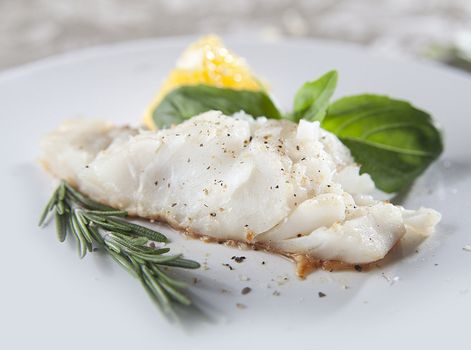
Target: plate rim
x,y
94,51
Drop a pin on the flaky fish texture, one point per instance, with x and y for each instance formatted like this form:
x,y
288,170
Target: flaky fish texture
x,y
291,188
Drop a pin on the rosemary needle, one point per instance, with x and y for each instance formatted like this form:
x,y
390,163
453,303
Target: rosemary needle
x,y
95,224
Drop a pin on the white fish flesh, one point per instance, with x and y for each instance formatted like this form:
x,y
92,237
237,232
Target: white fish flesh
x,y
290,188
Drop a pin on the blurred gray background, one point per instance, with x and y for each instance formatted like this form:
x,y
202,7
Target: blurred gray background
x,y
434,29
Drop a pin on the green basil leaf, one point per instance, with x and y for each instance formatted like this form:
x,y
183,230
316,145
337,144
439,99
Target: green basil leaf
x,y
312,99
187,101
393,141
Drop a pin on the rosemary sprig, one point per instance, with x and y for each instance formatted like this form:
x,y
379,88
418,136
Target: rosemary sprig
x,y
130,245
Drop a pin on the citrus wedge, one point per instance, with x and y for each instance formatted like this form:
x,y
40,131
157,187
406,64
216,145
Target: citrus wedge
x,y
206,61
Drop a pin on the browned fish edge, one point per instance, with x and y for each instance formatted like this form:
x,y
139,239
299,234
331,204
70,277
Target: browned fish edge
x,y
305,264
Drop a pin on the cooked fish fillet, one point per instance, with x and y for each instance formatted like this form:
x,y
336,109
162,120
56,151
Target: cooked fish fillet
x,y
291,188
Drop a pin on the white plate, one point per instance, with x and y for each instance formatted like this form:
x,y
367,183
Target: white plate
x,y
51,299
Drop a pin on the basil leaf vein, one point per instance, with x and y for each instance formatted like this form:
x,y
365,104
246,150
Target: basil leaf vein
x,y
392,140
312,99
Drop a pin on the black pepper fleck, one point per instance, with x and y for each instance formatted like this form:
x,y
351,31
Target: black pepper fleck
x,y
358,268
229,266
321,295
246,290
238,259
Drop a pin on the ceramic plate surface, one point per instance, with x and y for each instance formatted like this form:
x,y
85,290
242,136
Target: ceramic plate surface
x,y
49,298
